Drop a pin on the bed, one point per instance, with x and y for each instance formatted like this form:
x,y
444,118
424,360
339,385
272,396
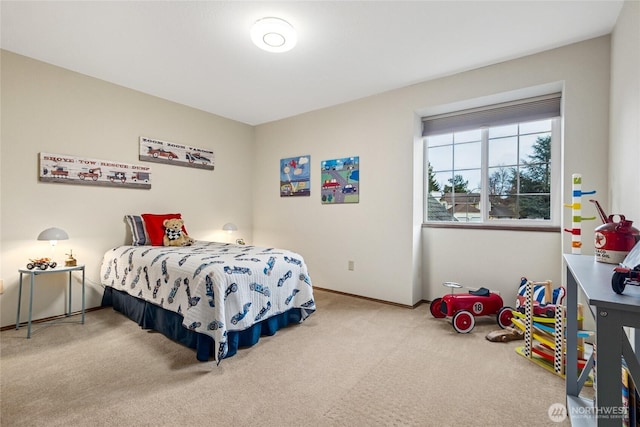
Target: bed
x,y
214,297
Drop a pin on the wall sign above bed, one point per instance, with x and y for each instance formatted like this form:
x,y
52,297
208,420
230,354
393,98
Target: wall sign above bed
x,y
171,153
82,170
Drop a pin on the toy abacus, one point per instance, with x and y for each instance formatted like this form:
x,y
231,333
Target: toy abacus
x,y
576,214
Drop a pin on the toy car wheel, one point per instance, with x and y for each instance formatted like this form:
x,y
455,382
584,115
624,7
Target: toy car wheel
x,y
30,266
435,308
504,317
42,266
617,282
53,264
463,321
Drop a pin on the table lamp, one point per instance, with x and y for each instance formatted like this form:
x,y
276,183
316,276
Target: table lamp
x,y
230,227
53,234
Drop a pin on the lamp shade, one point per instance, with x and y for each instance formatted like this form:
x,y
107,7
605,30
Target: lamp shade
x,y
230,227
53,233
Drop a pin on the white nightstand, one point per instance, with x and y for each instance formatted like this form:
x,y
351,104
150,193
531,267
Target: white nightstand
x,y
37,272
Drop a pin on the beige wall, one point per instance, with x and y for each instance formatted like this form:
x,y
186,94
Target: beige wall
x,y
45,108
396,260
624,176
582,70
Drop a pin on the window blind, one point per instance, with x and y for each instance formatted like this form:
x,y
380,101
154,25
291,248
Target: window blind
x,y
524,110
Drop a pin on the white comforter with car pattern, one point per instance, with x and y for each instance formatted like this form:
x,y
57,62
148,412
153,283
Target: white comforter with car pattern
x,y
216,287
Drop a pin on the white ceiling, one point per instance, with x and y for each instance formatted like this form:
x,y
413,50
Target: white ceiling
x,y
200,53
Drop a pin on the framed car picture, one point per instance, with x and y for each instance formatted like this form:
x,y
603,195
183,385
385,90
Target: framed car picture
x,y
171,153
295,177
340,180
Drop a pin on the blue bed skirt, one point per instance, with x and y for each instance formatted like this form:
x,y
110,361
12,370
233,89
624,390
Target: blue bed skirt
x,y
151,316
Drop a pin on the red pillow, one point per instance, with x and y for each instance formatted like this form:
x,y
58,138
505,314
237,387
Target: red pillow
x,y
155,229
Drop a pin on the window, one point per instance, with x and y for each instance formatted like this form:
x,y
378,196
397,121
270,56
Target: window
x,y
494,164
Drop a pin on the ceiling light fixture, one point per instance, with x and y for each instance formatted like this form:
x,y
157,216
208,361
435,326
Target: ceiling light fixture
x,y
273,35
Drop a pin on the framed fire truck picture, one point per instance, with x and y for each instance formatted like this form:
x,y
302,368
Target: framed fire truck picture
x,y
66,169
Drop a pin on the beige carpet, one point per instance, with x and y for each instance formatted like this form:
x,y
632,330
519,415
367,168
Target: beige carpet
x,y
353,363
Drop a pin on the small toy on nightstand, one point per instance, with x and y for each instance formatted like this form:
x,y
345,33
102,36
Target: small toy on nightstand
x,y
41,263
70,261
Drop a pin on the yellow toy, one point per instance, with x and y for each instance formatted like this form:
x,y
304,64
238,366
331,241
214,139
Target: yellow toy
x,y
70,261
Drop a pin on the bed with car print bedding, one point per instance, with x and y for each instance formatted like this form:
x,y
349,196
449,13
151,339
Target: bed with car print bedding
x,y
214,297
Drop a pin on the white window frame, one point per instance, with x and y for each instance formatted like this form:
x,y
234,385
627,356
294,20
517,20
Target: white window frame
x,y
555,188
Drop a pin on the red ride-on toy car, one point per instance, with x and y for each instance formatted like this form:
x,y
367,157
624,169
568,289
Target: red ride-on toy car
x,y
464,308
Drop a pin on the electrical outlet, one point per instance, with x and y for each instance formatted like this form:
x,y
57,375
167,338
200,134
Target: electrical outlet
x,y
351,265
